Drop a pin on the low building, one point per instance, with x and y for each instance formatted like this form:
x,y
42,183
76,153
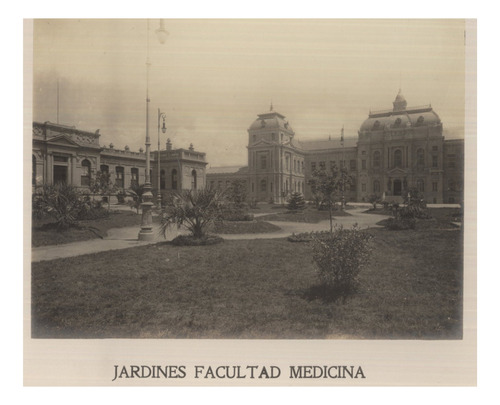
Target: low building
x,y
64,154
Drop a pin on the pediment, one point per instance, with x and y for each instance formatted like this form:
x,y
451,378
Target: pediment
x,y
261,142
62,140
397,171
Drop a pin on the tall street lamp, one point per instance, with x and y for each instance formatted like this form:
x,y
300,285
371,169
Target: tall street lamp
x,y
163,129
146,232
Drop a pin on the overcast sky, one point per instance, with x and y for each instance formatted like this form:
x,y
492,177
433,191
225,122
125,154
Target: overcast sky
x,y
212,77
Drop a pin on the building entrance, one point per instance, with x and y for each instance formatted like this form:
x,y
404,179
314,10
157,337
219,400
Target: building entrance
x,y
60,174
397,187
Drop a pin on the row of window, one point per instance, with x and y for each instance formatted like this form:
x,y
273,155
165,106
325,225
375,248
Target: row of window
x,y
342,163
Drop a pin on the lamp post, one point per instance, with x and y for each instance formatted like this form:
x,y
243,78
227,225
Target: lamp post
x,y
146,232
163,129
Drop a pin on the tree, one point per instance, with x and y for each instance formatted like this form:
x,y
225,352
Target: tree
x,y
374,199
237,193
103,186
296,202
329,185
194,210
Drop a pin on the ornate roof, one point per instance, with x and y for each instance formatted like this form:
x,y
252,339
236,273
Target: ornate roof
x,y
271,120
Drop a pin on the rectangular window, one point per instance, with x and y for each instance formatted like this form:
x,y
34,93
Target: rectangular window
x,y
134,177
434,161
263,162
352,164
119,177
363,187
363,164
434,186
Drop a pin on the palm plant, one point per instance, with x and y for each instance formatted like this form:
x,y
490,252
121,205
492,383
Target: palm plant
x,y
194,210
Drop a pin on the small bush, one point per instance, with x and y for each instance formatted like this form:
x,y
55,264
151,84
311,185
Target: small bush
x,y
236,215
340,257
120,196
413,212
296,202
400,224
189,240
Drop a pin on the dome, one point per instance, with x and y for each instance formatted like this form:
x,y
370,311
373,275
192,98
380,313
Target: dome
x,y
269,121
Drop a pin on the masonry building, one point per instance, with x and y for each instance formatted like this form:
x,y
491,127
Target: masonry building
x,y
64,154
395,150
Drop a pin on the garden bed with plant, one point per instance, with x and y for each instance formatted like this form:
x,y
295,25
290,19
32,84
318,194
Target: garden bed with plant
x,y
308,215
248,227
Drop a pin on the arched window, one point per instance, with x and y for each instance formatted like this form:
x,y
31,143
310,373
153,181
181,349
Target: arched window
x,y
174,179
420,185
398,158
376,125
162,179
376,186
263,185
33,170
104,169
420,158
85,178
193,180
376,159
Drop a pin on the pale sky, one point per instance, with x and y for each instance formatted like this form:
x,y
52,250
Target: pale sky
x,y
212,77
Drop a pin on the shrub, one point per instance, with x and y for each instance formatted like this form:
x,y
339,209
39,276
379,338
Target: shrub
x,y
229,214
307,236
120,195
413,211
339,257
63,202
189,240
400,224
296,202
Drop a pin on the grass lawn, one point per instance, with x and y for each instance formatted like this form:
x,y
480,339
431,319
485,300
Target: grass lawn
x,y
308,215
44,233
412,289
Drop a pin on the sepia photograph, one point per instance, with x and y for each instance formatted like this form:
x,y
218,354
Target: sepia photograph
x,y
255,185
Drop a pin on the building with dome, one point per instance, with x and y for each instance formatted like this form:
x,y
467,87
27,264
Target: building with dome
x,y
396,150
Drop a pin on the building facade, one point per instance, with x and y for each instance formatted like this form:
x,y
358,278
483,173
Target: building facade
x,y
396,150
64,154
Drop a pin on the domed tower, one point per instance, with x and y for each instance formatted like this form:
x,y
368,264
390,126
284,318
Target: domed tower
x,y
274,162
399,103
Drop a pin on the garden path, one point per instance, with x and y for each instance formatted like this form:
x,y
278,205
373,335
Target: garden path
x,y
122,238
